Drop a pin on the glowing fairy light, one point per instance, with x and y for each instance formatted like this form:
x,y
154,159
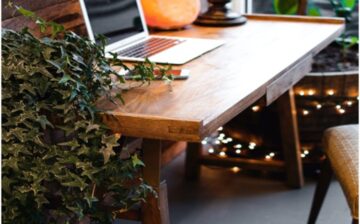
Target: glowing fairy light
x,y
204,142
235,169
338,107
302,93
349,103
311,92
305,112
267,157
255,108
272,154
217,142
237,151
330,92
222,154
229,139
318,106
306,152
252,145
238,146
220,129
303,155
211,150
342,111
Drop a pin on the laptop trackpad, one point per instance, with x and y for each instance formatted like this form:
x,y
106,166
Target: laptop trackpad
x,y
186,51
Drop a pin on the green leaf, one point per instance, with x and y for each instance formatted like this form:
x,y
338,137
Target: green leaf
x,y
44,122
73,144
119,96
313,11
136,162
77,210
41,200
75,181
25,12
90,200
348,3
6,184
287,7
42,24
47,51
65,79
92,127
107,152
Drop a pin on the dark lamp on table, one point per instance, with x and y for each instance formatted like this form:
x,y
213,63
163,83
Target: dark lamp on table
x,y
219,14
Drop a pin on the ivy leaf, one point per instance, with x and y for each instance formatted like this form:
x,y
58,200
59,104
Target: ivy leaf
x,y
76,182
73,144
44,122
65,79
25,12
47,52
55,64
77,210
90,200
136,162
6,184
107,152
41,200
92,127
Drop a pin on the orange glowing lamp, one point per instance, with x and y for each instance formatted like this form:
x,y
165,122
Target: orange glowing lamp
x,y
173,14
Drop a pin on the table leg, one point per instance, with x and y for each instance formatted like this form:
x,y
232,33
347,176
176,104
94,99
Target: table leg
x,y
155,210
192,163
290,139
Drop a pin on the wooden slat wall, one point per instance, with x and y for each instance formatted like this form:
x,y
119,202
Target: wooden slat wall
x,y
65,12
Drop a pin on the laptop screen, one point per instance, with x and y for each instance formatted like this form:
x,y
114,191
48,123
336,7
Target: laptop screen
x,y
114,19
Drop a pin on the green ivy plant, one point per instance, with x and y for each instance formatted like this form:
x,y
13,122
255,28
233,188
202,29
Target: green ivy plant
x,y
59,164
344,8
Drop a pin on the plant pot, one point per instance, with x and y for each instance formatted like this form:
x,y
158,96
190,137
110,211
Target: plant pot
x,y
330,97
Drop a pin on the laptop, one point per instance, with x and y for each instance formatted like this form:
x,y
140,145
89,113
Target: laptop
x,y
122,22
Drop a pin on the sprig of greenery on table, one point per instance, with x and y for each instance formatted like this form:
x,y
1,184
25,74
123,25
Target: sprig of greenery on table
x,y
58,159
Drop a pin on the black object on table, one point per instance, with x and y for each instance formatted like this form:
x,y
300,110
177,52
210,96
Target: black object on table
x,y
219,14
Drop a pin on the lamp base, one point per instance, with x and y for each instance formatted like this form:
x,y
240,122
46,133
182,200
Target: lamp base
x,y
219,14
216,22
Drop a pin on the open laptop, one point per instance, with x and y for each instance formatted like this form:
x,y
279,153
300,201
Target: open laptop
x,y
122,22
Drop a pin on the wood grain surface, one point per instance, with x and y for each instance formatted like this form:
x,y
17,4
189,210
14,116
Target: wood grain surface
x,y
65,12
224,81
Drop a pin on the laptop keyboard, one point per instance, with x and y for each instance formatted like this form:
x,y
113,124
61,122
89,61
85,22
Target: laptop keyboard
x,y
149,47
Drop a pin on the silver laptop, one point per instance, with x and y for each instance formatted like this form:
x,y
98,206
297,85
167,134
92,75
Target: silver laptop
x,y
122,22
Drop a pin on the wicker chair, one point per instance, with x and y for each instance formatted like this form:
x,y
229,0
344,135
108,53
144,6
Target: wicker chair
x,y
341,146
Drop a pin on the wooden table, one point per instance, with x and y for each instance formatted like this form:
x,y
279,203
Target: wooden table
x,y
267,56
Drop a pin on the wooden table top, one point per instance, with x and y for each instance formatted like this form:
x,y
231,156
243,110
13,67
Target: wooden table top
x,y
225,81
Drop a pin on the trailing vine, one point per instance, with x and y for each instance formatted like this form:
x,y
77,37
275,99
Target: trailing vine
x,y
59,164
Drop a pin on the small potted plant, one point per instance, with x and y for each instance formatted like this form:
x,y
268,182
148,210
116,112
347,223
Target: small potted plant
x,y
60,163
